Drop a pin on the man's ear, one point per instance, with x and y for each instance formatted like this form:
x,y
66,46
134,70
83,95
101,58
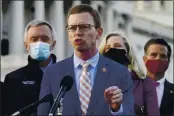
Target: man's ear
x,y
53,44
100,32
144,59
26,46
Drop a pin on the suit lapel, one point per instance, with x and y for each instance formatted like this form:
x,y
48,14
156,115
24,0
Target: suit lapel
x,y
99,86
73,92
167,97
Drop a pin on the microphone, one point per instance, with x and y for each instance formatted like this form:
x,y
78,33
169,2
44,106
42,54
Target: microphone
x,y
46,98
65,85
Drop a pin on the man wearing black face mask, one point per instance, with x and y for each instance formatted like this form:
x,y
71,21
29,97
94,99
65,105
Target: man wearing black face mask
x,y
157,58
120,58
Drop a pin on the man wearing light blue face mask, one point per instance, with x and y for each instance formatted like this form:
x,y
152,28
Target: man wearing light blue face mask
x,y
39,41
22,87
40,50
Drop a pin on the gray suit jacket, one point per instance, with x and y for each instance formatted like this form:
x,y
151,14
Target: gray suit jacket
x,y
114,75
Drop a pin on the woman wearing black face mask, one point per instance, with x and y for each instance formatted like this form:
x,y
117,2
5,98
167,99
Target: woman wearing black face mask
x,y
116,48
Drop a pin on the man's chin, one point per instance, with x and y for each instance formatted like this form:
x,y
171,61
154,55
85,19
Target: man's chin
x,y
81,49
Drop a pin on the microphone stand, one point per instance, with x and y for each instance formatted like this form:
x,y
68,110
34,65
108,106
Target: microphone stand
x,y
57,101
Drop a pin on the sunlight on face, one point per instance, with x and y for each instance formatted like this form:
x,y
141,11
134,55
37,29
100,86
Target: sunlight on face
x,y
115,42
157,51
82,41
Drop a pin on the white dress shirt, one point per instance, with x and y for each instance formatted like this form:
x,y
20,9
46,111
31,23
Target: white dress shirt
x,y
160,90
92,71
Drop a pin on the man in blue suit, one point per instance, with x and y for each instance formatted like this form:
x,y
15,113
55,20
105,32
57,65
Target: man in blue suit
x,y
101,86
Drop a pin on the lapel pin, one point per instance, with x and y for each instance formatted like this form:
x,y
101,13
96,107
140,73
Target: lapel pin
x,y
104,69
171,91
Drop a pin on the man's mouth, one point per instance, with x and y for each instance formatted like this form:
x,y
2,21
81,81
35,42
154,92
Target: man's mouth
x,y
79,41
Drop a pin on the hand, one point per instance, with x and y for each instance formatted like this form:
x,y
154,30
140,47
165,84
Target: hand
x,y
113,96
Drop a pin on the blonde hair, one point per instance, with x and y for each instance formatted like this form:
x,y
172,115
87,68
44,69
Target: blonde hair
x,y
134,64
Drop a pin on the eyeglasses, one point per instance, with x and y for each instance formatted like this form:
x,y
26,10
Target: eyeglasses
x,y
82,27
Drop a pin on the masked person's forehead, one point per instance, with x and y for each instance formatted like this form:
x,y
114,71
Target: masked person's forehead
x,y
157,48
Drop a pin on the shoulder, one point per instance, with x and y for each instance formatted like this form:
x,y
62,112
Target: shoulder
x,y
148,84
169,87
61,64
112,64
14,75
114,69
167,83
147,80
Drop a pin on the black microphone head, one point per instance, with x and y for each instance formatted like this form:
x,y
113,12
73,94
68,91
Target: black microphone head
x,y
67,82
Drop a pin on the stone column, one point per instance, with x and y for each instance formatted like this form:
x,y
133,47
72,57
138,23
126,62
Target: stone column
x,y
110,20
1,19
57,19
76,2
17,28
16,39
39,10
156,6
140,5
168,6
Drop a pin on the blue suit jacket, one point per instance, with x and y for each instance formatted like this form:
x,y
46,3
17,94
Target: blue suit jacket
x,y
114,75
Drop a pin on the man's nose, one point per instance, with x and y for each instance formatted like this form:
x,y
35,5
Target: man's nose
x,y
78,31
158,57
40,39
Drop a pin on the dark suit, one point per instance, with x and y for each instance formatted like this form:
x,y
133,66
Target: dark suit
x,y
22,87
1,101
167,103
114,75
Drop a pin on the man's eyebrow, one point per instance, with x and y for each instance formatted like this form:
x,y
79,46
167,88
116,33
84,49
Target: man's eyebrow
x,y
34,36
43,35
153,53
163,54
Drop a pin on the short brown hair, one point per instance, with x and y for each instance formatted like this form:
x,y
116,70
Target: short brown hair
x,y
86,8
158,40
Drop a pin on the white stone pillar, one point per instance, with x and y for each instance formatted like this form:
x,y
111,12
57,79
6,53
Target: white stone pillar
x,y
58,21
110,20
17,28
156,6
94,5
1,19
168,6
16,40
39,10
140,5
76,2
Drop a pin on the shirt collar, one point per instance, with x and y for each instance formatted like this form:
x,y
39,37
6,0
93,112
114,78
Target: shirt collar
x,y
161,81
92,61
